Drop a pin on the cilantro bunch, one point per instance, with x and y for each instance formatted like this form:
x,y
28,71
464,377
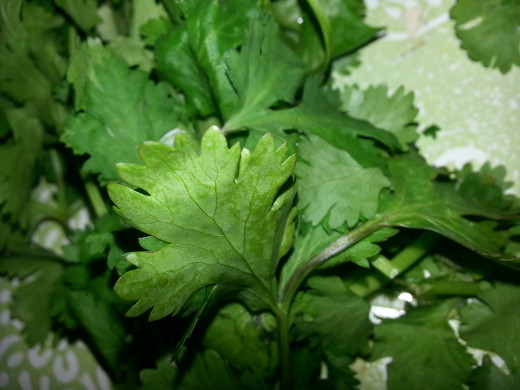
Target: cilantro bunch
x,y
244,213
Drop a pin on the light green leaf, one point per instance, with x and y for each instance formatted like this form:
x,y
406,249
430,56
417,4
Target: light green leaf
x,y
489,31
122,109
332,183
424,350
221,213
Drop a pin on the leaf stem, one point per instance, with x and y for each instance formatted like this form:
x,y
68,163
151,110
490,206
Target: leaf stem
x,y
284,350
366,282
96,200
341,244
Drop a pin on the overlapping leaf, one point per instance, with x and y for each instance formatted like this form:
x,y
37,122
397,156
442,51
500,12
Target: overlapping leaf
x,y
393,112
421,201
191,55
346,193
493,326
220,213
264,72
122,109
329,313
424,350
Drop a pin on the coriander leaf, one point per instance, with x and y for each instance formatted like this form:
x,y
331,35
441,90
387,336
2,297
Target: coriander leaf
x,y
214,27
254,357
347,192
265,71
330,314
220,213
493,325
104,327
122,109
342,27
393,112
421,201
18,159
489,31
489,376
33,300
202,370
160,378
82,68
177,64
318,115
424,350
83,12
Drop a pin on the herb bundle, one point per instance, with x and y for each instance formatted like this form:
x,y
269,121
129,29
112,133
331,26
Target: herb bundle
x,y
243,211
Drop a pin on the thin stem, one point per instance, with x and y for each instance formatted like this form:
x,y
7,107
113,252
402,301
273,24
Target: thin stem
x,y
370,281
96,200
338,246
284,350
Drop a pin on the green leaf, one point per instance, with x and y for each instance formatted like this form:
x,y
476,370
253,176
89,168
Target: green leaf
x,y
214,27
393,112
330,314
83,12
96,315
18,160
347,193
489,31
205,370
489,376
318,115
424,350
33,299
420,201
342,27
255,357
220,212
177,64
122,109
265,71
493,324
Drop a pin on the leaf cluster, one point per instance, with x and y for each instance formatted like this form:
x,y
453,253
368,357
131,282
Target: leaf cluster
x,y
254,213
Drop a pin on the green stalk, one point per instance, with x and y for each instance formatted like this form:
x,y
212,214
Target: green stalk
x,y
284,350
287,294
96,200
367,282
338,246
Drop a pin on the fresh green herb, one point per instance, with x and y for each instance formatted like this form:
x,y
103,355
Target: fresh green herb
x,y
243,213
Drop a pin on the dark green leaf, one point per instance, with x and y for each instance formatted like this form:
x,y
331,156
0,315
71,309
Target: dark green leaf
x,y
421,201
331,315
424,350
493,326
489,31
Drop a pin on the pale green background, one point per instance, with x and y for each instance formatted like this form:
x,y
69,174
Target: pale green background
x,y
477,108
